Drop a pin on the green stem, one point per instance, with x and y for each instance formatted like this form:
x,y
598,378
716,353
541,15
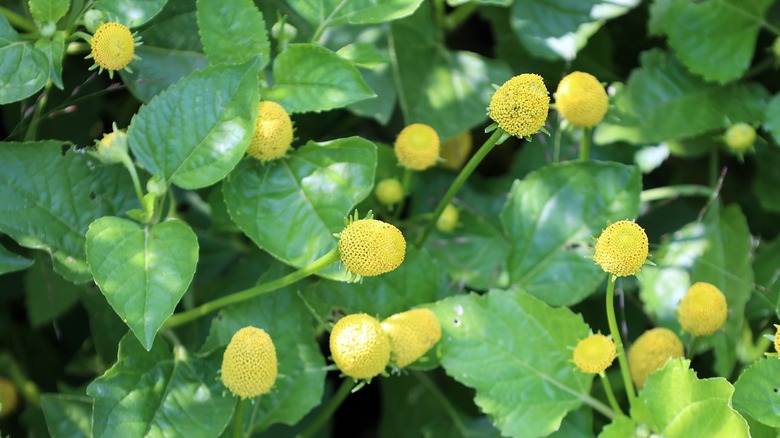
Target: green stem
x,y
713,167
669,192
406,182
694,345
459,15
32,128
238,418
26,387
613,329
17,20
134,176
610,394
585,144
557,141
464,174
184,317
329,409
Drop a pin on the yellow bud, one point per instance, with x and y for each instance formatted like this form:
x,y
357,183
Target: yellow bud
x,y
777,339
113,46
370,247
448,219
455,152
8,397
520,106
581,99
389,191
112,148
412,334
359,346
622,249
417,147
703,310
594,354
273,132
651,351
249,363
740,137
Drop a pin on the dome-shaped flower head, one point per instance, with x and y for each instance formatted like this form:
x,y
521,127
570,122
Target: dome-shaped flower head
x,y
412,334
249,363
651,351
703,309
581,99
359,346
112,148
370,247
455,151
417,147
8,397
594,354
389,191
520,106
777,339
622,249
448,220
273,132
113,47
740,138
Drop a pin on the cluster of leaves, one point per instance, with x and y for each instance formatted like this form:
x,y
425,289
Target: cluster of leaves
x,y
513,285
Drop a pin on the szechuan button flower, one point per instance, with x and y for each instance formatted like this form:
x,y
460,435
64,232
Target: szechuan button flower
x,y
777,339
389,191
412,334
113,47
703,309
622,249
359,346
370,247
417,147
651,351
448,220
520,105
594,354
740,138
8,397
581,99
273,132
249,366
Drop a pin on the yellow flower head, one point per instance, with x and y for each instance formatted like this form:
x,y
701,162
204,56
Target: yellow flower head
x,y
740,138
359,346
520,106
112,148
412,334
594,354
622,249
651,351
249,363
273,132
581,99
448,220
777,339
8,397
389,191
370,247
417,147
703,310
113,47
455,151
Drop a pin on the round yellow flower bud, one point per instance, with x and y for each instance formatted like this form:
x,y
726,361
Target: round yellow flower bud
x,y
594,354
359,346
456,151
417,147
651,351
412,334
448,219
581,99
703,310
273,132
249,363
622,249
8,397
777,339
740,137
113,46
370,247
520,106
389,191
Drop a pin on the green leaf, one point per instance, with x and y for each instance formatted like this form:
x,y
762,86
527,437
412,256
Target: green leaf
x,y
768,177
23,68
364,54
765,301
233,31
131,13
551,217
49,200
681,405
309,77
196,131
329,13
772,122
45,11
663,101
621,427
47,295
68,416
558,29
516,352
54,49
156,393
10,262
291,207
726,32
756,391
142,271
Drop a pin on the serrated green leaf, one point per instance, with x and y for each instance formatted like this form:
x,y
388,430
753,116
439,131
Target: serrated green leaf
x,y
309,77
726,32
233,31
291,207
156,394
47,295
67,416
656,24
49,200
142,271
550,218
54,49
196,131
10,262
756,391
45,11
364,54
131,13
329,13
23,68
516,352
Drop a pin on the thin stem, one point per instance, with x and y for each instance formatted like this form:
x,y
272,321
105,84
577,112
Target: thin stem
x,y
443,400
32,129
134,176
613,329
585,144
693,346
610,394
27,387
670,192
246,294
713,167
238,418
329,409
459,15
17,20
406,182
464,174
557,141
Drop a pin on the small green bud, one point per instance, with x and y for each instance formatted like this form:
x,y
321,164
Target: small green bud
x,y
389,191
157,186
448,221
284,31
112,148
740,138
93,19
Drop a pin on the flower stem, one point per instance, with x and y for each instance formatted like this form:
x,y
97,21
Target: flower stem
x,y
184,317
613,329
17,20
406,183
32,129
134,176
610,394
459,15
585,144
693,346
329,409
464,174
27,387
670,192
238,418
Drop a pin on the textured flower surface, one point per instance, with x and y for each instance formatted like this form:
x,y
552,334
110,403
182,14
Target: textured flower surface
x,y
249,364
113,46
8,397
581,99
777,339
417,147
389,191
622,249
455,151
359,346
412,334
594,354
651,351
740,137
520,106
273,132
448,220
703,309
370,247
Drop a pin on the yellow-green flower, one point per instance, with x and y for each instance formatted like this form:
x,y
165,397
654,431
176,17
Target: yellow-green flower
x,y
703,309
651,351
8,397
455,151
622,249
113,47
249,366
581,99
417,147
594,354
777,339
412,334
273,132
370,247
740,138
389,191
448,220
359,346
520,105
